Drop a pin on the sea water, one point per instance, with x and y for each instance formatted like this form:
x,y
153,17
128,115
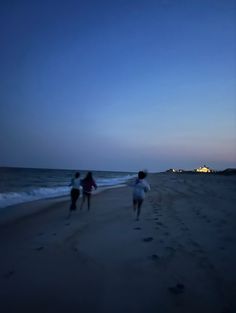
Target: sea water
x,y
18,185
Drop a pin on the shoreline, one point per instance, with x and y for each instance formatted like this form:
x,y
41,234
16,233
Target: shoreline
x,y
20,186
20,210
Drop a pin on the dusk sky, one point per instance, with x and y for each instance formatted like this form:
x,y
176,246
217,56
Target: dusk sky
x,y
118,85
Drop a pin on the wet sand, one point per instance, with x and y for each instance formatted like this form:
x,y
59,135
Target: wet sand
x,y
180,256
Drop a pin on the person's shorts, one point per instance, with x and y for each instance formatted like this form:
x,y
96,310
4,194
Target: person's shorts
x,y
75,193
137,200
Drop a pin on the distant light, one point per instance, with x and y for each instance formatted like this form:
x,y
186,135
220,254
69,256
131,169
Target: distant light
x,y
204,169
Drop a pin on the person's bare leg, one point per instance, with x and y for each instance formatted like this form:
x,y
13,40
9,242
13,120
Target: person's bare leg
x,y
73,203
139,208
82,202
88,198
75,200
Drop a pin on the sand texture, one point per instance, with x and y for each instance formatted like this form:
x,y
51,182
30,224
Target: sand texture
x,y
180,256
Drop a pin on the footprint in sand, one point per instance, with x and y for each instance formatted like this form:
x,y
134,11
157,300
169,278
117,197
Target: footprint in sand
x,y
9,274
147,239
39,248
178,289
170,248
155,257
195,244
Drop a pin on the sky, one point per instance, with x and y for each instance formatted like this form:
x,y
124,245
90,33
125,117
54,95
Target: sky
x,y
118,85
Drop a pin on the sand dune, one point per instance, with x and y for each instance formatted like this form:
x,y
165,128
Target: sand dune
x,y
180,257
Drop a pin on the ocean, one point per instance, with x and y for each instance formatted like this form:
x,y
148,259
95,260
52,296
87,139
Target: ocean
x,y
18,185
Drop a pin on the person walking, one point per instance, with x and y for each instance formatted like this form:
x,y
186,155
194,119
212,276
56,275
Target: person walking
x,y
140,188
88,184
75,192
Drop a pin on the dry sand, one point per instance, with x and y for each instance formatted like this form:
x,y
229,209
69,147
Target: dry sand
x,y
180,257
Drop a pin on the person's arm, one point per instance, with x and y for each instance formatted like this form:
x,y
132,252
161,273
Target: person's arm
x,y
95,185
132,182
147,187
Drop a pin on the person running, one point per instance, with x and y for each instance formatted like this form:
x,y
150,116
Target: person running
x,y
140,188
75,191
88,184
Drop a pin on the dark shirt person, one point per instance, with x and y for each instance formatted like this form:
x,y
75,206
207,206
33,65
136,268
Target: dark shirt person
x,y
88,184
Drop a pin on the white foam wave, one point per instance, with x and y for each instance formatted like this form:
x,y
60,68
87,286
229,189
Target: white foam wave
x,y
114,181
12,198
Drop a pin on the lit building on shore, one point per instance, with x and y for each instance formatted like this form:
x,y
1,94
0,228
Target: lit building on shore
x,y
204,169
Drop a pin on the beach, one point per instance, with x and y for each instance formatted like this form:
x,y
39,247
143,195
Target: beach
x,y
180,256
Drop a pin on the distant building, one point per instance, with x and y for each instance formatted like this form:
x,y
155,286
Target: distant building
x,y
172,170
204,169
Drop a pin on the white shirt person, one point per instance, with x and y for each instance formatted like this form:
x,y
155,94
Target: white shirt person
x,y
140,188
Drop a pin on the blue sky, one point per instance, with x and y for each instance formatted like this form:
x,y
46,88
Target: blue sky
x,y
118,85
